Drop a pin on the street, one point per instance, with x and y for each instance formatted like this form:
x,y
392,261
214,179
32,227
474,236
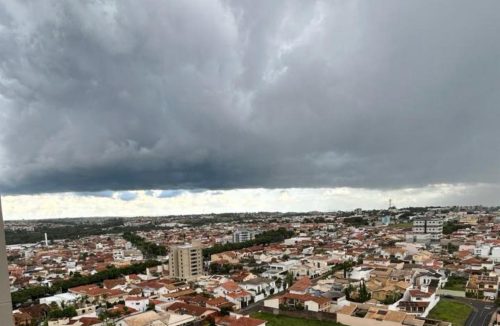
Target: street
x,y
481,313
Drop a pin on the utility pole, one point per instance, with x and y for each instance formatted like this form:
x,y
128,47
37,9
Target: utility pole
x,y
5,301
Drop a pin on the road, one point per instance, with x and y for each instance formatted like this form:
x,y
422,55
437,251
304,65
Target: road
x,y
481,313
251,308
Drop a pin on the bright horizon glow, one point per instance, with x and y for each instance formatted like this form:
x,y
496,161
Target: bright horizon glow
x,y
185,202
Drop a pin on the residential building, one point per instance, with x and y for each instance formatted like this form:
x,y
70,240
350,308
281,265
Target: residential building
x,y
432,226
294,301
482,286
243,235
186,261
235,294
363,314
239,320
157,319
137,303
259,287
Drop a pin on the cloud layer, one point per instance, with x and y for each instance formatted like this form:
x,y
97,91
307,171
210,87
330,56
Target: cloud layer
x,y
127,95
152,203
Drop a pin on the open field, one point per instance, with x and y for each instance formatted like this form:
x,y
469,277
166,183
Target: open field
x,y
280,320
451,311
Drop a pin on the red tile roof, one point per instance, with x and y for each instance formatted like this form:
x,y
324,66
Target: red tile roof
x,y
301,285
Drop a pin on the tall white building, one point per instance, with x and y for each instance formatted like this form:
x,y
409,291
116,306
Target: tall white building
x,y
243,235
431,226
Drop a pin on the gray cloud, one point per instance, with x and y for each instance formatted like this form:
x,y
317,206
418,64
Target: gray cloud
x,y
164,95
127,195
170,193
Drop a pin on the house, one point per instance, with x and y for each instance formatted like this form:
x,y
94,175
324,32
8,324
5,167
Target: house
x,y
337,299
153,287
363,314
238,320
117,283
389,291
61,299
419,300
219,303
91,292
229,257
113,296
280,269
472,264
243,276
37,312
360,273
155,318
394,252
94,293
259,287
200,313
231,291
137,303
83,321
299,301
301,286
426,277
22,319
482,286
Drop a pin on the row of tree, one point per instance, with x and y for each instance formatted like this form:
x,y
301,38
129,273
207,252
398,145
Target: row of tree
x,y
355,221
267,237
357,294
452,226
35,292
148,249
58,313
226,268
75,231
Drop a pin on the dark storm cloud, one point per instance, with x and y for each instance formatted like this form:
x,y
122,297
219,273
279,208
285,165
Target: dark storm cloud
x,y
187,94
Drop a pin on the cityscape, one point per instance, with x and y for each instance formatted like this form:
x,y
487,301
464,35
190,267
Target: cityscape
x,y
408,266
249,163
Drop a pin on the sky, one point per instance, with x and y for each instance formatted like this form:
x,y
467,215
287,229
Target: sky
x,y
177,107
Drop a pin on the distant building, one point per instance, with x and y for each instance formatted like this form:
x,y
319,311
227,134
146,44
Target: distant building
x,y
243,235
432,226
186,261
385,220
426,230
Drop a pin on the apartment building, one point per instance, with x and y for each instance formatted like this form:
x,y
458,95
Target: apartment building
x,y
243,235
426,229
186,261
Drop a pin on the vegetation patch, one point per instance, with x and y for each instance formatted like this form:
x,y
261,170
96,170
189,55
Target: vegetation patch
x,y
450,227
451,311
455,283
39,291
267,237
280,320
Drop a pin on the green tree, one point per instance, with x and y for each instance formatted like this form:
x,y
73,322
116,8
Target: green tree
x,y
288,279
364,295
